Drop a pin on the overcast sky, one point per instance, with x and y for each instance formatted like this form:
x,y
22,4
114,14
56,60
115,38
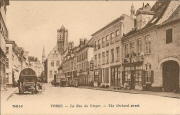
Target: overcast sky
x,y
34,24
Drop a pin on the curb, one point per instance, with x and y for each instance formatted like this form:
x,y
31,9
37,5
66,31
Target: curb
x,y
130,92
11,95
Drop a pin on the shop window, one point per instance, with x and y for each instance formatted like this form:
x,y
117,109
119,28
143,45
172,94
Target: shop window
x,y
168,36
112,77
106,79
138,77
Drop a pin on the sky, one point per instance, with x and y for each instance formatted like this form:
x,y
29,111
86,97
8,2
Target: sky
x,y
33,24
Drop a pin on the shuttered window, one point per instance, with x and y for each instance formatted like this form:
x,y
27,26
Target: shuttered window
x,y
168,36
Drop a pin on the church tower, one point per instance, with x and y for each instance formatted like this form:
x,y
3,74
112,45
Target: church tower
x,y
132,15
62,39
43,56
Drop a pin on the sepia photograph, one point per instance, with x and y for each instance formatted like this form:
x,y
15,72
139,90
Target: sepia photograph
x,y
105,57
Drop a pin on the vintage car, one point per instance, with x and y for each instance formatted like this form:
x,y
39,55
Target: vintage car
x,y
27,81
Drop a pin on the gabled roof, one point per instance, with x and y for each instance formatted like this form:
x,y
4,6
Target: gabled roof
x,y
159,9
174,16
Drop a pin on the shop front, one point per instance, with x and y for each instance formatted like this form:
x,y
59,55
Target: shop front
x,y
116,76
97,77
136,76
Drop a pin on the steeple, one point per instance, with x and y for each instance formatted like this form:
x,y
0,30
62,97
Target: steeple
x,y
62,28
132,15
43,55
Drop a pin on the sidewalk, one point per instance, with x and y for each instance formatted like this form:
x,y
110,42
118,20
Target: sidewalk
x,y
5,95
163,94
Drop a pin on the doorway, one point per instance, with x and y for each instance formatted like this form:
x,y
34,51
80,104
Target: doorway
x,y
170,72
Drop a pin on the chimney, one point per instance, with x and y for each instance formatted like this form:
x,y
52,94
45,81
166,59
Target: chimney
x,y
85,41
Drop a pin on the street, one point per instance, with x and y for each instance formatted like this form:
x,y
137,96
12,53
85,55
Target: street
x,y
70,100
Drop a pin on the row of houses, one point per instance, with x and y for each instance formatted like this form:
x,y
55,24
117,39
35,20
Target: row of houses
x,y
13,58
141,50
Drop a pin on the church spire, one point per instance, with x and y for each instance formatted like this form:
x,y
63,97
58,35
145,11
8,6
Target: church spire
x,y
43,55
132,15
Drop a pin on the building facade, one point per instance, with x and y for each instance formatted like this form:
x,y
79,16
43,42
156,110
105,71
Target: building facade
x,y
53,62
15,62
151,50
108,50
55,57
4,37
84,57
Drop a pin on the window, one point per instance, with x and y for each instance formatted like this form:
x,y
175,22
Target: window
x,y
139,46
50,72
107,40
126,51
86,54
118,54
168,36
99,61
112,38
99,44
112,55
7,77
103,58
96,45
132,49
55,72
148,44
117,33
52,63
107,57
82,67
7,50
95,57
138,77
7,62
57,63
103,42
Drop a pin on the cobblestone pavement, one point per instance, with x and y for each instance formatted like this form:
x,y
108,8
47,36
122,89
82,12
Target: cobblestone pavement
x,y
71,100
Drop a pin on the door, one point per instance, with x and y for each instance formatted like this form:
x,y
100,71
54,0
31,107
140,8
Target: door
x,y
132,80
171,76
